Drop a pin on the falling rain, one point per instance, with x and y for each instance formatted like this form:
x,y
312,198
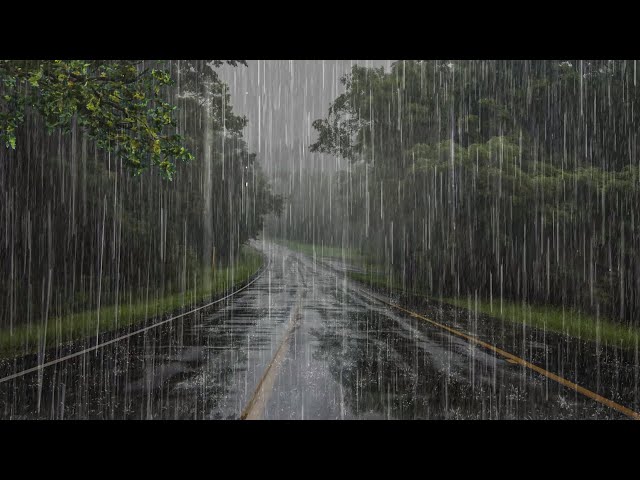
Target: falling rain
x,y
322,239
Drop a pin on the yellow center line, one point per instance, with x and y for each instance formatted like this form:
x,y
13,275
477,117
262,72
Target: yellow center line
x,y
515,359
255,407
262,393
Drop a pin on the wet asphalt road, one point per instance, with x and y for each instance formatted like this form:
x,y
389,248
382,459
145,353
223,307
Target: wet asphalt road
x,y
340,355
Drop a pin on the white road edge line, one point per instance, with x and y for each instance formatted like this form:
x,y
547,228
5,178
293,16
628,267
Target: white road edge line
x,y
131,334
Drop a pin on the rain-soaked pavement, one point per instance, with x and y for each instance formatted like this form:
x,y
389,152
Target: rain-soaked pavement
x,y
338,355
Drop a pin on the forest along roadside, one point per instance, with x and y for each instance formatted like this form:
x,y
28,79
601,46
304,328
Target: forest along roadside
x,y
201,366
346,356
608,370
81,335
353,357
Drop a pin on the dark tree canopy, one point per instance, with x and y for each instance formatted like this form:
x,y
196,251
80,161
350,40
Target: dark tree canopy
x,y
121,104
84,187
518,177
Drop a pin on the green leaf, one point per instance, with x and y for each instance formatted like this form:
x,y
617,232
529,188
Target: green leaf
x,y
35,77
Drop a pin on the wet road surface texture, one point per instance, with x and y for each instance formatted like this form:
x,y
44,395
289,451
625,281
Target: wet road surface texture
x,y
302,342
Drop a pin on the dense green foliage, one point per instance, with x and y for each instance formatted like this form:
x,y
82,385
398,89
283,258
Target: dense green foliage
x,y
119,103
122,104
81,227
28,338
515,179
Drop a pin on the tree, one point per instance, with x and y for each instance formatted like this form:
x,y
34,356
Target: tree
x,y
88,231
121,105
516,177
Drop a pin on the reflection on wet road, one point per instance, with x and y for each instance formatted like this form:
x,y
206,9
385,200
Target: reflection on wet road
x,y
345,357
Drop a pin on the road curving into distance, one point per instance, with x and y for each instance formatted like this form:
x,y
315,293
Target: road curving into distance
x,y
300,342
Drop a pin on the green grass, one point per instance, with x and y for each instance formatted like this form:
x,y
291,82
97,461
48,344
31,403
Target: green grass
x,y
28,338
547,317
551,318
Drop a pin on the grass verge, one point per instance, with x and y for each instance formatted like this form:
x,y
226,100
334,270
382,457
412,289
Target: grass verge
x,y
546,317
556,319
29,338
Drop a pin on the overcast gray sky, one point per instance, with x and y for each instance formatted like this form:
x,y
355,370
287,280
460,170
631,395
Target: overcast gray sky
x,y
281,99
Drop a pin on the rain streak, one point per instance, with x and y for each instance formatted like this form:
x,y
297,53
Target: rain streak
x,y
321,239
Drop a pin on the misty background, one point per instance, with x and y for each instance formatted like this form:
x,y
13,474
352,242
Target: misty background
x,y
281,99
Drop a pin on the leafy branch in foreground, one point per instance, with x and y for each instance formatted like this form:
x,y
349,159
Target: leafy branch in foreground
x,y
121,104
